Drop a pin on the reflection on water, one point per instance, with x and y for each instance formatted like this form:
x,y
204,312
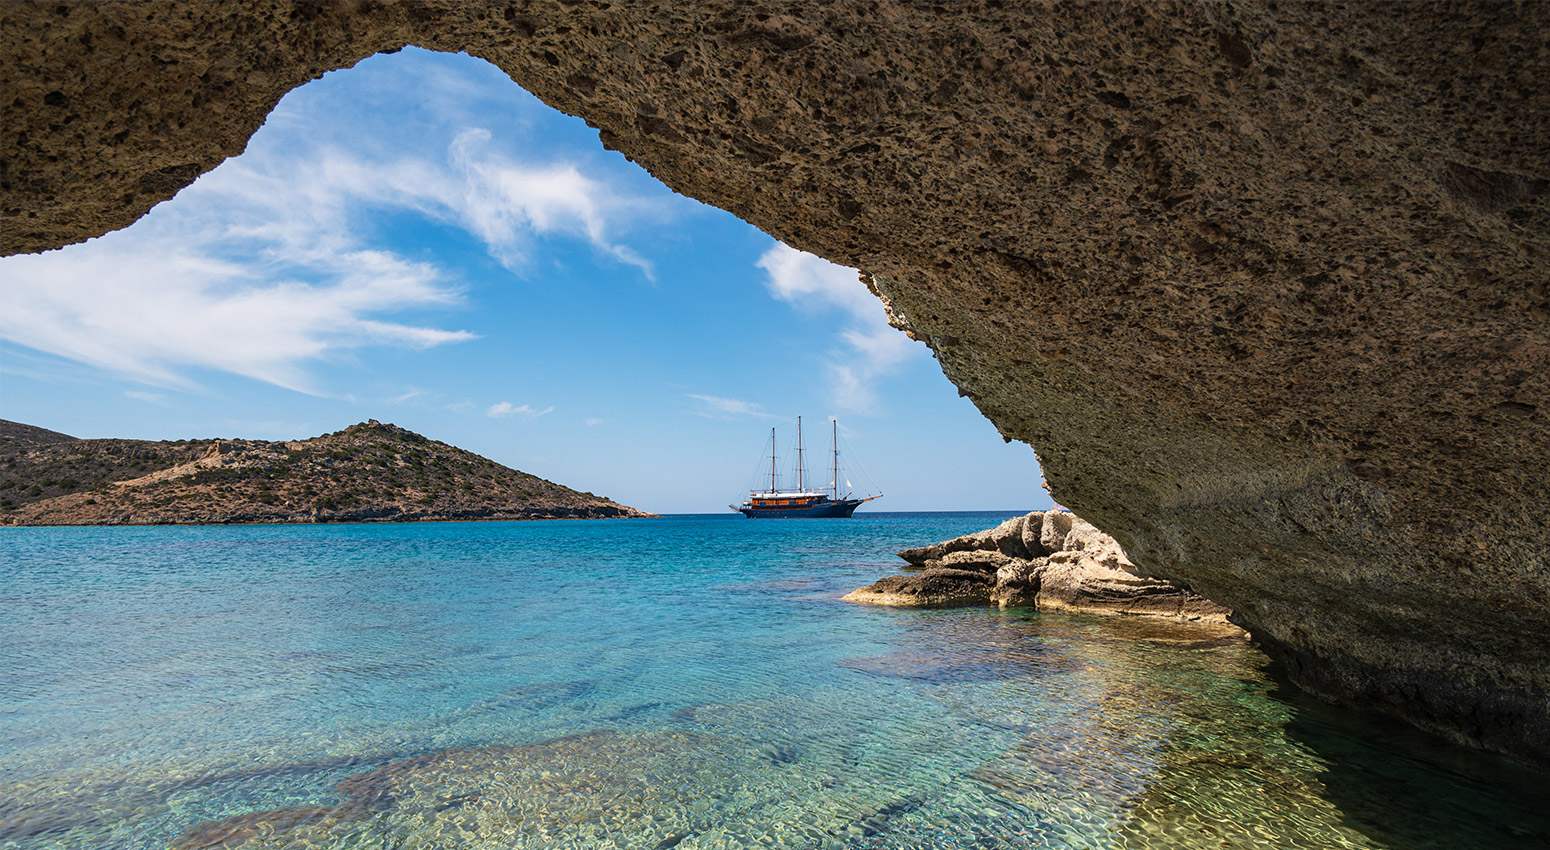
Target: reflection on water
x,y
682,683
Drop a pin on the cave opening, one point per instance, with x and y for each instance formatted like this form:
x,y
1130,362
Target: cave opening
x,y
402,236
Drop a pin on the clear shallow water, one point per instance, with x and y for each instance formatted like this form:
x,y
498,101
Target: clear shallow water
x,y
687,682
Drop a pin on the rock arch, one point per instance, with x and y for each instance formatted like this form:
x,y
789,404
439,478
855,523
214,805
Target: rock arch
x,y
1264,282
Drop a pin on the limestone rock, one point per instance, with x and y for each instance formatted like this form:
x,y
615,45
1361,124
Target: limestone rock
x,y
1033,532
1084,542
1055,527
933,588
979,560
1017,583
1008,537
1019,572
921,555
1088,571
1082,584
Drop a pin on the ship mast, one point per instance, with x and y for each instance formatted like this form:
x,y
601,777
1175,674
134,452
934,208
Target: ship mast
x,y
834,444
801,461
772,460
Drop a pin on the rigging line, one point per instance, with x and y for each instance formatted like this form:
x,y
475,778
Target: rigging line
x,y
758,481
756,474
834,441
774,463
800,460
865,477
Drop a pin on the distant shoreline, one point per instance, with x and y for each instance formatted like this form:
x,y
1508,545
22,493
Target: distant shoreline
x,y
368,472
321,522
448,520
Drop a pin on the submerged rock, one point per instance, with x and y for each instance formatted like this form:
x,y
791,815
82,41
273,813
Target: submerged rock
x,y
1079,568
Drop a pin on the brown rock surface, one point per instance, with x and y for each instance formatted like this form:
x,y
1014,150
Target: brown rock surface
x,y
936,587
1263,282
979,541
367,472
1087,571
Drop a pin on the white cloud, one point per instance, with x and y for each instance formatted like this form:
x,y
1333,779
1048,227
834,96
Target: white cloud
x,y
261,268
721,407
501,201
502,409
150,308
142,395
592,421
875,348
407,395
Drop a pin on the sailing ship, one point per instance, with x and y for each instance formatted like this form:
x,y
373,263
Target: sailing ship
x,y
803,502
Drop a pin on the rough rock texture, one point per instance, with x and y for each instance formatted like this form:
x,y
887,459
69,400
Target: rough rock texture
x,y
20,437
936,587
1049,560
367,472
1264,282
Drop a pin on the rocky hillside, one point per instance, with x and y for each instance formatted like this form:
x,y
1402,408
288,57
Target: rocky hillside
x,y
369,471
1051,560
17,436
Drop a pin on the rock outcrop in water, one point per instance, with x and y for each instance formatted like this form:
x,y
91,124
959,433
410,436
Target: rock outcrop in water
x,y
1263,282
367,472
1046,559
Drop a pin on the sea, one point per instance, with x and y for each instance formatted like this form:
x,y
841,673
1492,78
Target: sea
x,y
682,682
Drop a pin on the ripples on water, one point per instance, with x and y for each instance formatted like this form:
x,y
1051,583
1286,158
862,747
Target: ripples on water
x,y
685,682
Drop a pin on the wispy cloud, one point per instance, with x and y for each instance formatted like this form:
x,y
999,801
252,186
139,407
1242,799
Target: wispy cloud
x,y
592,421
874,347
502,201
261,267
142,395
152,307
407,395
22,362
721,407
503,409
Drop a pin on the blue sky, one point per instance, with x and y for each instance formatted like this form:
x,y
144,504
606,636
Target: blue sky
x,y
419,240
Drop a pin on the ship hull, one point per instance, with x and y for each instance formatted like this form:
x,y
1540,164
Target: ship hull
x,y
828,509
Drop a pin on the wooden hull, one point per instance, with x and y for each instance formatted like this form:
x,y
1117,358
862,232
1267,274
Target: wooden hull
x,y
827,509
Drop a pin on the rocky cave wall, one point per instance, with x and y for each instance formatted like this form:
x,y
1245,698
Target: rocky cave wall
x,y
1264,282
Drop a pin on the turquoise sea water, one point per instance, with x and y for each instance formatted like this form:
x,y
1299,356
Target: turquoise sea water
x,y
685,682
